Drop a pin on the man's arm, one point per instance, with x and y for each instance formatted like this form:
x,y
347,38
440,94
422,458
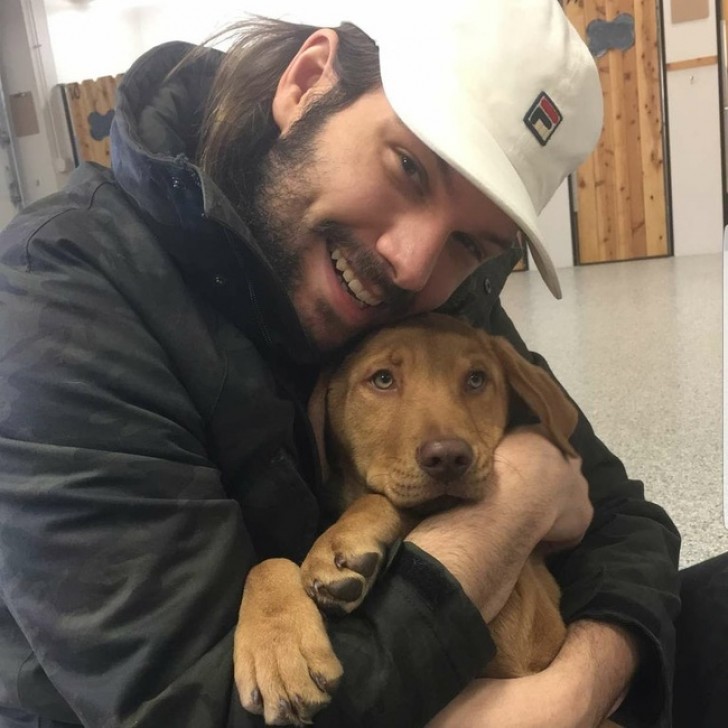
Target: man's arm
x,y
534,494
575,691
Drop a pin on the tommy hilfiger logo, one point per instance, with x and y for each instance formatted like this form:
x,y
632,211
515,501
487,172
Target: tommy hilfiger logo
x,y
543,118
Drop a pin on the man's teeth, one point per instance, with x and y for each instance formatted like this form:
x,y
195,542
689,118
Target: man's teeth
x,y
351,283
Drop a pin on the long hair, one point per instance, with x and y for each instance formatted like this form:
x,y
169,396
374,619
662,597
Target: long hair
x,y
238,127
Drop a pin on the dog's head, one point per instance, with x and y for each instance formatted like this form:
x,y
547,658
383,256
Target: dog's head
x,y
416,411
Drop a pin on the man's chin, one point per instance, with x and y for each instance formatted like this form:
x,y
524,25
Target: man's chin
x,y
330,333
328,339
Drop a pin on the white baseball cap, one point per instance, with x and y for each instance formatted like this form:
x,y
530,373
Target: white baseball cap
x,y
505,91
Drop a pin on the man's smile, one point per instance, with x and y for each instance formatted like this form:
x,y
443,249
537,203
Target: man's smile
x,y
363,294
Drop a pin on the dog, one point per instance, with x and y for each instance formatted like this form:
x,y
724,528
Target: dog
x,y
406,425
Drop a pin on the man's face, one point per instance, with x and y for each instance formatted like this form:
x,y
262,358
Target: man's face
x,y
365,224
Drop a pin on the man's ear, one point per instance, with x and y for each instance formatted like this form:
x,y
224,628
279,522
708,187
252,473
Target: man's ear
x,y
309,74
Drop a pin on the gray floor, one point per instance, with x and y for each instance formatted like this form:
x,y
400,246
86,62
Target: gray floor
x,y
639,347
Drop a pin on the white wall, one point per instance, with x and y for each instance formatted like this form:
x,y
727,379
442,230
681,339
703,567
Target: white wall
x,y
94,38
98,39
694,119
695,160
555,222
7,208
36,153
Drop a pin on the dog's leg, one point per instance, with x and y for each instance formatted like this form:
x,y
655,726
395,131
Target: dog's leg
x,y
285,668
529,630
345,560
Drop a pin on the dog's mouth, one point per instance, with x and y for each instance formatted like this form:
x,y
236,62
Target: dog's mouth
x,y
364,297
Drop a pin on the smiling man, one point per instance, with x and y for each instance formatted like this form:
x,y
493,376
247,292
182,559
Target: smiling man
x,y
346,269
163,325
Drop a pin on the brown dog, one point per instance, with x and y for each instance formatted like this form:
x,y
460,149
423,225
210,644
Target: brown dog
x,y
406,425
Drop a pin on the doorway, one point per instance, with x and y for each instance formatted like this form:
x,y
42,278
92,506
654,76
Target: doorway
x,y
619,195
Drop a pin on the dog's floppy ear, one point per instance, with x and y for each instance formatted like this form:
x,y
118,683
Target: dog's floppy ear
x,y
317,404
540,392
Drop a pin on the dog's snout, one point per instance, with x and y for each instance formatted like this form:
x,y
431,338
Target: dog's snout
x,y
445,459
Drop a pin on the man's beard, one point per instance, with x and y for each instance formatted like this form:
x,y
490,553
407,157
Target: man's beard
x,y
279,197
282,184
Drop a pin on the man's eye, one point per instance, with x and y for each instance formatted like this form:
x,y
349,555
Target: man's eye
x,y
383,379
471,246
411,168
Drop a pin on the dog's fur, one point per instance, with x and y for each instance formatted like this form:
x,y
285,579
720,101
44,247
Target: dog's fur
x,y
406,425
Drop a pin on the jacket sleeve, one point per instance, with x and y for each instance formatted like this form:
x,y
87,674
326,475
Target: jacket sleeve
x,y
122,558
625,570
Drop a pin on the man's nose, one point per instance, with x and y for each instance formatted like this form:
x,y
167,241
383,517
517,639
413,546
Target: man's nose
x,y
412,249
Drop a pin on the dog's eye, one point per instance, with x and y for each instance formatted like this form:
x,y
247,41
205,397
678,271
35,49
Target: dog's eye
x,y
383,379
476,379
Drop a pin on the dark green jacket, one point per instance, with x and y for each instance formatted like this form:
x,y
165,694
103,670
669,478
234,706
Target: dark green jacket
x,y
154,445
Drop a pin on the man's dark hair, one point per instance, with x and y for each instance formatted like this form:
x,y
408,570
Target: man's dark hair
x,y
238,127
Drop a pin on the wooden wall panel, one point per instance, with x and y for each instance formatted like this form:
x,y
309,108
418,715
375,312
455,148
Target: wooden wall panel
x,y
91,107
620,190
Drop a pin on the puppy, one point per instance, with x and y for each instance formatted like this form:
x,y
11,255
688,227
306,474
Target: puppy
x,y
407,425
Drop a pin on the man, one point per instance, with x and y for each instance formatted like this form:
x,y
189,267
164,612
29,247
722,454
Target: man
x,y
163,324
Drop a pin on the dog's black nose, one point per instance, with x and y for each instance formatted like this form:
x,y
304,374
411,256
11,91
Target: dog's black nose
x,y
445,459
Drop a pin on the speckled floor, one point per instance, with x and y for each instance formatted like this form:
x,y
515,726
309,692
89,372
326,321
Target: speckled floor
x,y
639,347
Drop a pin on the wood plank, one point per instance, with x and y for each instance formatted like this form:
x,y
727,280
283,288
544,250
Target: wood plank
x,y
604,157
634,245
73,94
622,233
692,63
651,126
585,190
93,103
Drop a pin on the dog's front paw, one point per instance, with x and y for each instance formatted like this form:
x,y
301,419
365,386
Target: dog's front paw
x,y
285,668
341,568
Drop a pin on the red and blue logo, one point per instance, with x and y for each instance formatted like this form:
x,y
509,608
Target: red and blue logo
x,y
543,118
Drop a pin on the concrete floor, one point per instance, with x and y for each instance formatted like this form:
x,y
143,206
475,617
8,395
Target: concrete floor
x,y
639,346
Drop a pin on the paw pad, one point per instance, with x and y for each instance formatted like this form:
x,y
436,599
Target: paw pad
x,y
364,564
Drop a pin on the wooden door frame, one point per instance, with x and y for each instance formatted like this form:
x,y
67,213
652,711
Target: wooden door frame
x,y
573,211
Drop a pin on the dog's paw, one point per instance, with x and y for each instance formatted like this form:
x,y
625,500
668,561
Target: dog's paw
x,y
285,668
340,569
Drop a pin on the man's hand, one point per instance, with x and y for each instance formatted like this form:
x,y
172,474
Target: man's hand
x,y
585,683
534,494
526,458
